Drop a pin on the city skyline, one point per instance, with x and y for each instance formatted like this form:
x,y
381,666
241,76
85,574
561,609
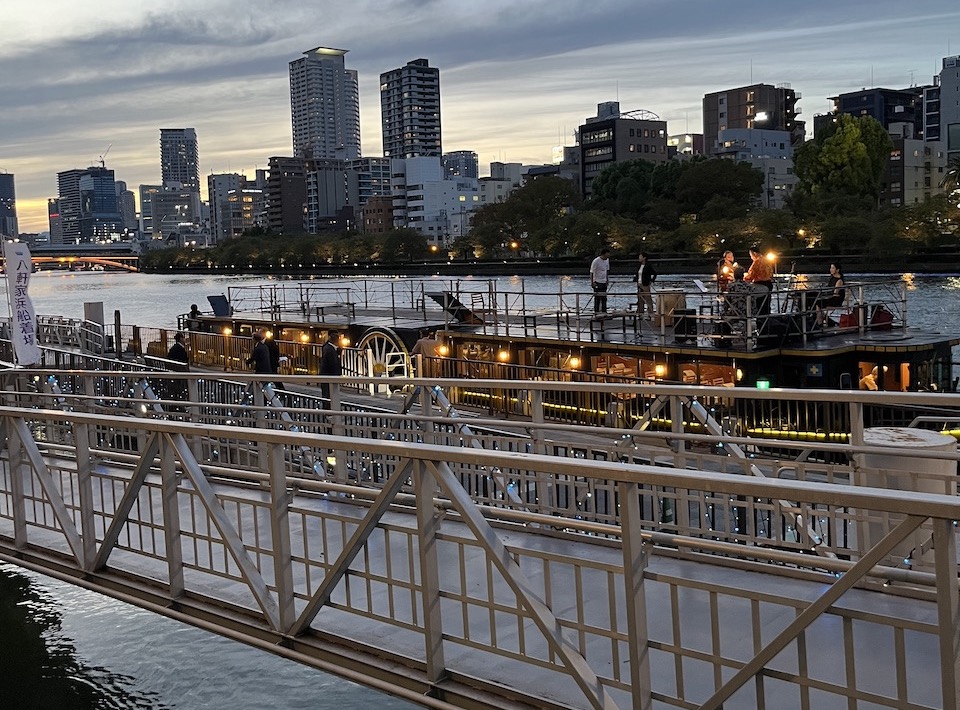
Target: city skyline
x,y
517,80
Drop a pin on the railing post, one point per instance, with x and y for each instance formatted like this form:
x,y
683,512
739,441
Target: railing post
x,y
171,518
634,566
88,531
280,533
948,611
18,488
428,526
337,429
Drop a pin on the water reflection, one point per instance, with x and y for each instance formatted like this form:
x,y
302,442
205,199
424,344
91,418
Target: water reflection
x,y
40,665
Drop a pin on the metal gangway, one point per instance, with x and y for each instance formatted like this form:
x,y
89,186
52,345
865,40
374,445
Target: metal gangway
x,y
509,564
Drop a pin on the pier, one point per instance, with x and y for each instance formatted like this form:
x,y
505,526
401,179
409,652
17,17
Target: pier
x,y
468,561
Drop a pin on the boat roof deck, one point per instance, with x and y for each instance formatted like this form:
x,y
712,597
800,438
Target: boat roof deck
x,y
684,320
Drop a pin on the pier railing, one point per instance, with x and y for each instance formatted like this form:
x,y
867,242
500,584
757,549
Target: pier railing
x,y
396,570
682,427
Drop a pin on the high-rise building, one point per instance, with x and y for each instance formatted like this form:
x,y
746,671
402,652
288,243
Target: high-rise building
x,y
127,204
613,136
8,206
460,163
146,208
763,106
219,187
179,158
410,111
88,210
324,106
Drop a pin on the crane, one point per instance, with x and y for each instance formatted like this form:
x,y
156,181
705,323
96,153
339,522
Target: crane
x,y
103,163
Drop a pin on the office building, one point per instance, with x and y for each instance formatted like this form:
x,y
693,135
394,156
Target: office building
x,y
422,200
219,187
324,106
179,158
887,106
8,206
685,144
146,208
410,111
942,107
613,136
87,206
763,106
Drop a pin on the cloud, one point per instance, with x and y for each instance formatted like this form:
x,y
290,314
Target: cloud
x,y
516,78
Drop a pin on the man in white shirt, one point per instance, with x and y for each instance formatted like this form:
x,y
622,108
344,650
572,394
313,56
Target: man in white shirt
x,y
599,278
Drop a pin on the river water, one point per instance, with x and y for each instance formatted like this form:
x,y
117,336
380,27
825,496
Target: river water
x,y
65,648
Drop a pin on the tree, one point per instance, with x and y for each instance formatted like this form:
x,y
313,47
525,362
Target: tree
x,y
951,176
719,189
847,158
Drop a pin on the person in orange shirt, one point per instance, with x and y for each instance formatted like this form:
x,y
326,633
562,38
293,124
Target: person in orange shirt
x,y
760,274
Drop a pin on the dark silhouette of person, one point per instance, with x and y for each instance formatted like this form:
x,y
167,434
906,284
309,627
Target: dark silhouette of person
x,y
274,350
178,351
329,363
259,356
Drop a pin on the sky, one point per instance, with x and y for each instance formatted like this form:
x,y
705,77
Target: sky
x,y
80,81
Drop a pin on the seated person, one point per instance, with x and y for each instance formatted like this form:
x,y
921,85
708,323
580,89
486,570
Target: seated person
x,y
833,296
740,302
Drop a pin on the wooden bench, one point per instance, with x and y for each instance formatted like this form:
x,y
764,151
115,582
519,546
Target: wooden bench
x,y
624,317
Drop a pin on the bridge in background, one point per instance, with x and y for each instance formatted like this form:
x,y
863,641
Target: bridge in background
x,y
462,562
120,263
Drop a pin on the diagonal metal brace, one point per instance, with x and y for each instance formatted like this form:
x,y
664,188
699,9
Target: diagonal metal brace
x,y
540,613
231,538
813,612
353,546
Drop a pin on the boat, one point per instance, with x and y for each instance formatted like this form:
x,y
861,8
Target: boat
x,y
481,331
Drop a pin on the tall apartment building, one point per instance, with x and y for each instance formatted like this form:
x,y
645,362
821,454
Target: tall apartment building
x,y
87,205
180,157
410,111
614,137
8,206
763,106
324,106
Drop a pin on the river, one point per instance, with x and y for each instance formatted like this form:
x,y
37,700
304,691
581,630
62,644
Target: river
x,y
65,648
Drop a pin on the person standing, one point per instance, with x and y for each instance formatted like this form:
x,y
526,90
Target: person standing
x,y
274,350
178,352
760,273
329,363
599,279
646,275
259,356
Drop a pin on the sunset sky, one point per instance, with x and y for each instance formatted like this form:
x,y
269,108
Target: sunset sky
x,y
516,77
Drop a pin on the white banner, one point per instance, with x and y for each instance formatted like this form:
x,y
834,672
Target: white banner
x,y
23,324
